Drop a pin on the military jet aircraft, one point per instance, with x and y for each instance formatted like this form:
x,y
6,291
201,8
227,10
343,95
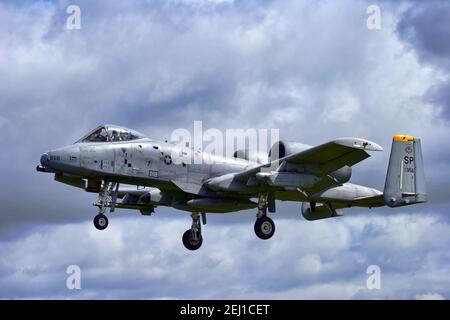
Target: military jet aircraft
x,y
316,176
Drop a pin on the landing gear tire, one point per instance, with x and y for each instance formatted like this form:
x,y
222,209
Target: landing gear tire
x,y
264,228
190,243
100,221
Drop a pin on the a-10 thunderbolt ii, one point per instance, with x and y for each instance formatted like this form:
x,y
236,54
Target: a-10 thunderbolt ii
x,y
316,176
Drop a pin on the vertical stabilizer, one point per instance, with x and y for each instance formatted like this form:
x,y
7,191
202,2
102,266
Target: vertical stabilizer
x,y
405,179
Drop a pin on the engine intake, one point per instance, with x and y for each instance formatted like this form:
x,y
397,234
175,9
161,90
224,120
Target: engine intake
x,y
282,149
246,155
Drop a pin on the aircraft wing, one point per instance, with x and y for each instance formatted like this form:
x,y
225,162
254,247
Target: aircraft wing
x,y
320,160
330,156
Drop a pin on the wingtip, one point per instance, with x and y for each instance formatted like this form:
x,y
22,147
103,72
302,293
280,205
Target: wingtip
x,y
359,143
375,146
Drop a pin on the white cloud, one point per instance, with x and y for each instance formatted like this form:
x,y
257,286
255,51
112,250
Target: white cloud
x,y
141,257
340,107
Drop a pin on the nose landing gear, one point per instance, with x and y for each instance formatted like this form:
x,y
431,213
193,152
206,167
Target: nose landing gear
x,y
107,197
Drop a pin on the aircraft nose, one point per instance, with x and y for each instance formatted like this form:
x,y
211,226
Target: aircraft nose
x,y
44,159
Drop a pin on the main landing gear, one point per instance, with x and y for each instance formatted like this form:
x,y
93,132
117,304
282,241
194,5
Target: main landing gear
x,y
106,197
100,222
264,226
192,238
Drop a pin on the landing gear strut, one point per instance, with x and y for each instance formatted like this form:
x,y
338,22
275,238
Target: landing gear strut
x,y
106,197
264,226
192,238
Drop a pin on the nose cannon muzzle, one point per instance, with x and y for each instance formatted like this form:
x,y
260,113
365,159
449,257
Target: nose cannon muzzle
x,y
44,159
43,167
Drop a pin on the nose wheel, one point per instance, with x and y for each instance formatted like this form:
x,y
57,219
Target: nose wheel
x,y
106,198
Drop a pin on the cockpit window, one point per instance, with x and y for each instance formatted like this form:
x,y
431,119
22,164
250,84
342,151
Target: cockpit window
x,y
122,134
111,133
99,135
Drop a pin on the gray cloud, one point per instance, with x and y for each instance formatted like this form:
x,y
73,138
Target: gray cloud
x,y
311,69
426,29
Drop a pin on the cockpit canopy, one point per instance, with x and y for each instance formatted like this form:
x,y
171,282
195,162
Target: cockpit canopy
x,y
111,133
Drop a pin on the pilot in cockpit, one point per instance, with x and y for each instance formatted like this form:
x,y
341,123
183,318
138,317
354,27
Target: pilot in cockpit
x,y
115,136
124,136
103,135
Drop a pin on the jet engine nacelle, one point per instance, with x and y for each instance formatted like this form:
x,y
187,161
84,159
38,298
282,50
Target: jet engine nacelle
x,y
342,175
321,211
282,149
246,155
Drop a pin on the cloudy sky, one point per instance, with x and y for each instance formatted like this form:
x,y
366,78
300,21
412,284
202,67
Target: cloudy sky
x,y
310,68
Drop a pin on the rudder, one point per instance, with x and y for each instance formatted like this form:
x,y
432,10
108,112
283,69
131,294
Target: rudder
x,y
405,179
